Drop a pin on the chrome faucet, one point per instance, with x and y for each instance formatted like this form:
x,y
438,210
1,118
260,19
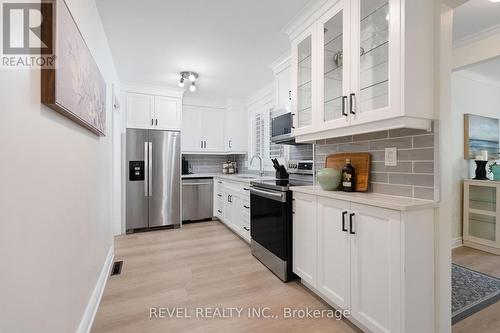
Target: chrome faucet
x,y
261,170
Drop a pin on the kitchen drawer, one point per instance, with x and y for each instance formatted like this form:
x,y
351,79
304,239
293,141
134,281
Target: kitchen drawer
x,y
220,207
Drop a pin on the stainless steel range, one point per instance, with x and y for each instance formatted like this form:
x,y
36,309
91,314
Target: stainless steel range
x,y
271,218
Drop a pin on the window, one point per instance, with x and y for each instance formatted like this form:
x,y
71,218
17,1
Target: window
x,y
260,134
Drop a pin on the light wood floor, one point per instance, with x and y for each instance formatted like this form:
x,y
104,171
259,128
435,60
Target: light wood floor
x,y
200,265
488,319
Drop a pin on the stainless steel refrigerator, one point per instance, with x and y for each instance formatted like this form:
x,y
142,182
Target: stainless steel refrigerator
x,y
153,179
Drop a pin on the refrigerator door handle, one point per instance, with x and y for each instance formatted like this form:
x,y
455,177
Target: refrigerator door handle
x,y
146,169
150,166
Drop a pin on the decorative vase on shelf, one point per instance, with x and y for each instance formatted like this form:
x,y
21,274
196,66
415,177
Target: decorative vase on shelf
x,y
495,170
329,179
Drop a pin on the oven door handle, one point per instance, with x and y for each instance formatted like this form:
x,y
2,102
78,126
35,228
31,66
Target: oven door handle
x,y
276,196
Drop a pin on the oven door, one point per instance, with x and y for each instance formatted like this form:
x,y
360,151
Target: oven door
x,y
270,217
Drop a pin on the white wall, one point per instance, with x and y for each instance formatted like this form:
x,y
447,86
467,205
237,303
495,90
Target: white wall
x,y
470,94
55,198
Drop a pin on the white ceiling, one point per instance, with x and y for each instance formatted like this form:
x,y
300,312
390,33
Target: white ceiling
x,y
229,43
473,17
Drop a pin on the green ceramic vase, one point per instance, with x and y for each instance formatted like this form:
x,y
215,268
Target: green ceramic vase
x,y
495,170
329,179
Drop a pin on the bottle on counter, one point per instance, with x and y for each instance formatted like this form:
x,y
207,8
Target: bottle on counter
x,y
348,177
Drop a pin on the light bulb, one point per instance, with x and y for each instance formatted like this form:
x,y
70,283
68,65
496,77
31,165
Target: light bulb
x,y
181,83
192,87
192,78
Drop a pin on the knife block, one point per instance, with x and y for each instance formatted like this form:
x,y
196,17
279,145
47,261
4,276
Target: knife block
x,y
282,174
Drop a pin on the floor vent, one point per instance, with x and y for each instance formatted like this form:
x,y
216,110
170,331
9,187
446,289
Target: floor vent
x,y
117,268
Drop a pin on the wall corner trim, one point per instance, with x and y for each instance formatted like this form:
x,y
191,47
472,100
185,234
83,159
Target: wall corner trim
x,y
456,242
95,298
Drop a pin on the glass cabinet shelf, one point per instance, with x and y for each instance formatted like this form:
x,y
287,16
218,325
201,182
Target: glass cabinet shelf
x,y
481,215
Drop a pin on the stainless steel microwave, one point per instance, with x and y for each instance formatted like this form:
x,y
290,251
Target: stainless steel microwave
x,y
281,126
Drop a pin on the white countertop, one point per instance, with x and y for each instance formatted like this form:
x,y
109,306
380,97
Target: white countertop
x,y
238,177
371,199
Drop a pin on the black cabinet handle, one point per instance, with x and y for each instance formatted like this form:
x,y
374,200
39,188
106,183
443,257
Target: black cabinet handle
x,y
201,144
219,182
350,224
246,189
151,121
156,122
289,95
344,106
344,214
219,195
247,229
246,206
352,98
230,144
220,211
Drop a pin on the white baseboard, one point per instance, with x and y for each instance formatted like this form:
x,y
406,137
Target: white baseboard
x,y
95,298
456,242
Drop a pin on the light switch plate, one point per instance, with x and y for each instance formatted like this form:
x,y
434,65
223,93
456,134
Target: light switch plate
x,y
391,156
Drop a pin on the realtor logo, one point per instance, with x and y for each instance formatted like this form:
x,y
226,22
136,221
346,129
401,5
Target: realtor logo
x,y
26,42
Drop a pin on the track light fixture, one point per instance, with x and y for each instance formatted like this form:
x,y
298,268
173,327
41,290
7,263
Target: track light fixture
x,y
188,76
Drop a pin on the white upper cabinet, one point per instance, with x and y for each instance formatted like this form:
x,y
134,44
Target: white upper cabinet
x,y
212,129
191,129
236,129
202,129
282,83
153,108
140,110
361,66
167,113
302,82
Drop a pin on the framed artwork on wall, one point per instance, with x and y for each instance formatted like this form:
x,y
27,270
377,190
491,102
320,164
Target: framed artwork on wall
x,y
481,134
74,86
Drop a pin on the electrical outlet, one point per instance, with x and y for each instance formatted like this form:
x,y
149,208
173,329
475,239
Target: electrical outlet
x,y
391,156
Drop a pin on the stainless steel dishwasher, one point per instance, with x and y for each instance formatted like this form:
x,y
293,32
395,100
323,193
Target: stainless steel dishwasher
x,y
197,199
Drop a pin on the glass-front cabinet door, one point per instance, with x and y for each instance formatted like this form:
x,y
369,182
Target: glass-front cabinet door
x,y
480,214
302,82
376,67
334,65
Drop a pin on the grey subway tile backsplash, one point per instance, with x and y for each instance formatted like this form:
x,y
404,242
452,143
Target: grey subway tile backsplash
x,y
423,141
398,190
404,142
414,174
423,167
423,193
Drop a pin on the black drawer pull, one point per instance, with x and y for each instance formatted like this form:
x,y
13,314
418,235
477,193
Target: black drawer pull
x,y
246,189
219,195
247,207
247,229
220,211
344,214
350,224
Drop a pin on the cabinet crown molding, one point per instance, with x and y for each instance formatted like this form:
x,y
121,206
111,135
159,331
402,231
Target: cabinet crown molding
x,y
153,90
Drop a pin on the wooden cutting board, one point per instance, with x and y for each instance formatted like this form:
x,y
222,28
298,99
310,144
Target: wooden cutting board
x,y
360,162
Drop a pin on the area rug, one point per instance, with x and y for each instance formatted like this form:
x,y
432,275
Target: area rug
x,y
471,291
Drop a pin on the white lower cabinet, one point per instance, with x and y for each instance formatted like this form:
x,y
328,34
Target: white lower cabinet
x,y
376,268
375,262
333,250
304,237
232,206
